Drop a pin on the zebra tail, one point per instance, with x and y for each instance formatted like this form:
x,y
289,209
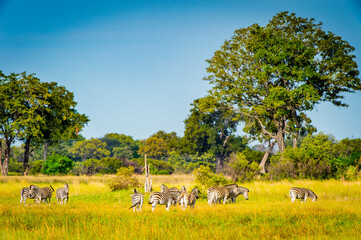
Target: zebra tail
x,y
133,205
52,188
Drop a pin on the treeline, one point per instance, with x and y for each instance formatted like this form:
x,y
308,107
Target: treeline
x,y
318,156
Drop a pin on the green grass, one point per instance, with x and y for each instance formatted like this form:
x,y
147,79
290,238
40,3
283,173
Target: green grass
x,y
94,212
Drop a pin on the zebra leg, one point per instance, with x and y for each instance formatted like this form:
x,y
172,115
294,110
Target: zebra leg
x,y
224,200
153,207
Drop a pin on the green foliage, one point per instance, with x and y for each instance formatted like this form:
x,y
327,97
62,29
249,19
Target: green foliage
x,y
311,160
124,179
35,167
121,145
154,147
57,164
86,149
172,141
206,178
187,164
109,165
274,75
242,169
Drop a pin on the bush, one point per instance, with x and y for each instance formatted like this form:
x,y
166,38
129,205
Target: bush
x,y
124,179
206,178
35,167
241,168
57,164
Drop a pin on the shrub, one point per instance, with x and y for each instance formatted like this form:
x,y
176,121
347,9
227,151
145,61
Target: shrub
x,y
57,164
241,168
206,178
35,167
124,179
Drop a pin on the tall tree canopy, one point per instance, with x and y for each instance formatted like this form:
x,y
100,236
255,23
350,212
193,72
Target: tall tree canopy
x,y
33,112
209,129
274,75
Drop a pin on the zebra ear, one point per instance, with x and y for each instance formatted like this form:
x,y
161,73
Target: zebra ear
x,y
135,191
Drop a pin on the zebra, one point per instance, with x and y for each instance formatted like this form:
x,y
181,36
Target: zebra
x,y
137,200
234,191
174,193
189,198
216,194
62,194
302,193
183,189
162,198
25,193
43,194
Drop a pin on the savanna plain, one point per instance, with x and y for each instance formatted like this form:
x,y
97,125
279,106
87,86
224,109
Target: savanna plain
x,y
94,212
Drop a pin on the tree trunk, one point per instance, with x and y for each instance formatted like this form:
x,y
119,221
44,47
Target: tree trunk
x,y
280,140
26,156
46,147
148,179
5,164
295,140
219,162
265,157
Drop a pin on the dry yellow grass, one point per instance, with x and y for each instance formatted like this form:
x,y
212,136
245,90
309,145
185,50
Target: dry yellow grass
x,y
94,212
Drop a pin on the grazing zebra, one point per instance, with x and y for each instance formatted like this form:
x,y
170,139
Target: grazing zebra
x,y
25,193
162,198
302,193
216,194
62,194
43,194
137,200
189,198
234,191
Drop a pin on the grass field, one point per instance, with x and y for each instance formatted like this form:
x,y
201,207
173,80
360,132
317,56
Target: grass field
x,y
94,212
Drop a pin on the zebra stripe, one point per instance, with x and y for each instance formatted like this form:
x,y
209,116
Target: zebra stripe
x,y
25,193
62,194
162,198
302,193
175,194
43,194
216,194
235,191
137,200
189,198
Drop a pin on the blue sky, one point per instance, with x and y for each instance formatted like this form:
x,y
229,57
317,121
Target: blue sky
x,y
135,66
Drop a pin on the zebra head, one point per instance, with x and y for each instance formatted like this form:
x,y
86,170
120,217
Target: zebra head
x,y
163,188
243,191
33,190
183,189
195,192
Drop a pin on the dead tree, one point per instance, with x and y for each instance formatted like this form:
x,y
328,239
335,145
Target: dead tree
x,y
148,178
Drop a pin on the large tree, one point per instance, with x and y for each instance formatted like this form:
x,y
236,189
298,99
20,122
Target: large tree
x,y
34,111
274,75
209,128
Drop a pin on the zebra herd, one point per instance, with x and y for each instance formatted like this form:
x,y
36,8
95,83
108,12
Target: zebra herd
x,y
43,195
167,196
